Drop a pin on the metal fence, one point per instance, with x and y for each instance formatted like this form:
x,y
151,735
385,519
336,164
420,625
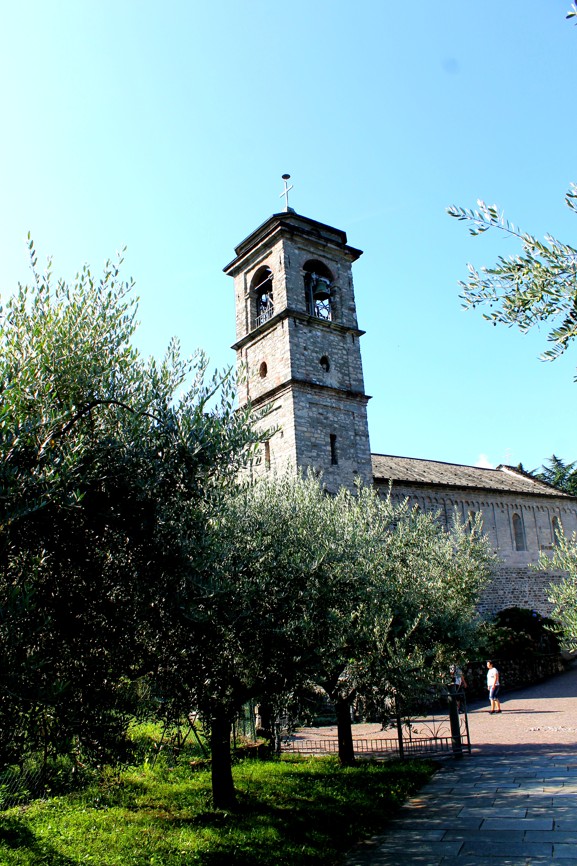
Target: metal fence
x,y
20,786
442,732
373,747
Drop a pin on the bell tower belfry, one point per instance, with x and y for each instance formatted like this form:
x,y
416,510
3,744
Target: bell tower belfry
x,y
297,338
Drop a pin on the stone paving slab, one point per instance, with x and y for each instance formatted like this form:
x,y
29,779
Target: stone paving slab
x,y
475,860
559,837
556,813
534,801
498,823
507,848
564,853
512,803
498,835
512,812
445,823
566,825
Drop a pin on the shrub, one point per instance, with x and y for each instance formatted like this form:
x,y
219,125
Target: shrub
x,y
518,632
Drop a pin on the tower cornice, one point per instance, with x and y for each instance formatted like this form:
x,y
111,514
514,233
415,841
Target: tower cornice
x,y
357,396
291,224
301,317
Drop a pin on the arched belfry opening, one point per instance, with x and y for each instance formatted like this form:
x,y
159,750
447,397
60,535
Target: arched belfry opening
x,y
319,290
261,293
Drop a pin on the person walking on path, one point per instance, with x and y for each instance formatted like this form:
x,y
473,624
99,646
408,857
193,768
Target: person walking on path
x,y
493,686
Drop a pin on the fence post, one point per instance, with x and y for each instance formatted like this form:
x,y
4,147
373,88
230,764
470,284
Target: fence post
x,y
456,743
399,729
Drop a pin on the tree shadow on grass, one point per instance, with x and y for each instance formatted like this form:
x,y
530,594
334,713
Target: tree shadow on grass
x,y
319,818
300,818
15,836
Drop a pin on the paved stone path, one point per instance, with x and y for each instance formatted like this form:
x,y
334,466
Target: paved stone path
x,y
512,803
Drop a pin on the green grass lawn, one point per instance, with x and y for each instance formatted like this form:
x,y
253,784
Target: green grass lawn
x,y
292,811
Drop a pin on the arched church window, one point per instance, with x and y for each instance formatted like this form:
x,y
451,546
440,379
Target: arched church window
x,y
318,290
557,529
519,532
261,291
325,363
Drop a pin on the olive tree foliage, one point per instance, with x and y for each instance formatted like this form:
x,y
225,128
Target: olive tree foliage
x,y
349,593
107,479
259,611
416,615
536,285
428,582
563,595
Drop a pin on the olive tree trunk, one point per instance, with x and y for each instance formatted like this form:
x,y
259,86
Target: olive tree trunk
x,y
223,793
344,732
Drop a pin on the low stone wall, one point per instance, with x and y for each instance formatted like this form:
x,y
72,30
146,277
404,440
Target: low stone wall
x,y
514,673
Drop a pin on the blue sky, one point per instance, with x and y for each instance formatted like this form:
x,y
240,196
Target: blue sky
x,y
167,127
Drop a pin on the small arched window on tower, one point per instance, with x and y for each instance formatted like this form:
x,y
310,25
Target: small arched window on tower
x,y
519,532
334,453
261,292
319,290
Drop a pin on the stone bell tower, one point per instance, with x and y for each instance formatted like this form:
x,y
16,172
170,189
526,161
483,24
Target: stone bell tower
x,y
297,337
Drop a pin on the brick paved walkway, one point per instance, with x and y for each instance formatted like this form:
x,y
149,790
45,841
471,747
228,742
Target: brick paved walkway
x,y
512,803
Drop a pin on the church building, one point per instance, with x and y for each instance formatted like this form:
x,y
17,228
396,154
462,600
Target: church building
x,y
298,345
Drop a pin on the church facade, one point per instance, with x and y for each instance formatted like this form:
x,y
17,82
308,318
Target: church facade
x,y
298,355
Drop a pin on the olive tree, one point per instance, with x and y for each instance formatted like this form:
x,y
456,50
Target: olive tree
x,y
563,594
261,608
349,592
408,610
107,481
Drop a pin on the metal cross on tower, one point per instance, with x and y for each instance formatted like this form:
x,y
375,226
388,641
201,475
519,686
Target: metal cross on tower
x,y
286,191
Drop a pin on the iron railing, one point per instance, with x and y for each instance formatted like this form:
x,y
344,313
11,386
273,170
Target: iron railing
x,y
20,786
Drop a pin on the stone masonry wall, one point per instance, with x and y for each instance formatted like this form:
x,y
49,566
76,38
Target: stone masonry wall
x,y
293,348
306,443
323,413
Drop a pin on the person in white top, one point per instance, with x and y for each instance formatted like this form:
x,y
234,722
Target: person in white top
x,y
493,686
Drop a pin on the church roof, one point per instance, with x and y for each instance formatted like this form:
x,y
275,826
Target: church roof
x,y
503,479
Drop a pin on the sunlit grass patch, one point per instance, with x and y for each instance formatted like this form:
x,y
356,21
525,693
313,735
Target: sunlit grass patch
x,y
291,811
